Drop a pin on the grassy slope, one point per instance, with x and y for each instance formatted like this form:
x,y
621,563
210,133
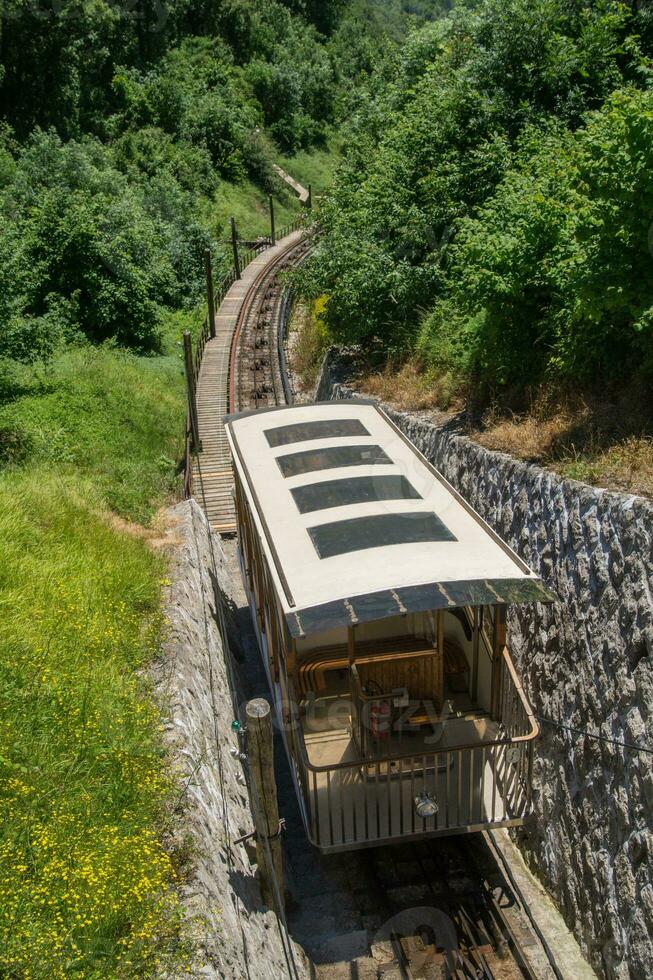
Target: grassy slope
x,y
315,167
250,207
83,876
84,880
108,416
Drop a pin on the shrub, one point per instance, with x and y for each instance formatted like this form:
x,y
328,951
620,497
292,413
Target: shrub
x,y
431,138
94,250
15,445
554,276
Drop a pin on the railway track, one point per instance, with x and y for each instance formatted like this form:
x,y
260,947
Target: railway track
x,y
435,908
239,370
257,370
461,928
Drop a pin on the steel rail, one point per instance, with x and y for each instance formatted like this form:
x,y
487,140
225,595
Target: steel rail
x,y
245,312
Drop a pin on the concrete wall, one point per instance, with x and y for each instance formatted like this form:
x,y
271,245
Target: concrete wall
x,y
235,935
588,662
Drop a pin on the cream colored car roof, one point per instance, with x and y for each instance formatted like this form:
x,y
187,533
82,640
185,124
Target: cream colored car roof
x,y
463,549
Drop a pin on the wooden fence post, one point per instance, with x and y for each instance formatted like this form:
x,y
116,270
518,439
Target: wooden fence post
x,y
309,201
264,801
190,386
273,236
209,291
234,245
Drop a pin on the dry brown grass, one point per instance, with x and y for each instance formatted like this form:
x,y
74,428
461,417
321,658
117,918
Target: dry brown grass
x,y
602,438
408,387
627,465
526,436
599,439
163,532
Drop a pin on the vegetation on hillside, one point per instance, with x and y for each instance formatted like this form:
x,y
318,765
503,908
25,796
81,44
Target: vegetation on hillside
x,y
492,215
84,879
128,136
119,135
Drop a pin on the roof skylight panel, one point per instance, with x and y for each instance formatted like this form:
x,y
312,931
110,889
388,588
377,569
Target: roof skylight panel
x,y
378,531
315,429
313,460
353,490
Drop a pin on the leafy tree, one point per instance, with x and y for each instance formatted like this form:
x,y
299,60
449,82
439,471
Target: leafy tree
x,y
554,276
90,252
118,124
432,135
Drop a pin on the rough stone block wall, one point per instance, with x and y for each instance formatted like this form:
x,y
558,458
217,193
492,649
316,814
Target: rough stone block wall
x,y
587,662
235,934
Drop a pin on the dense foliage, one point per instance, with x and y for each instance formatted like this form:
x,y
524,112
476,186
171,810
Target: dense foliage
x,y
128,135
554,275
498,175
119,127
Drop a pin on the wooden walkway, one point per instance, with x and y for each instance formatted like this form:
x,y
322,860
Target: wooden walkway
x,y
212,473
299,190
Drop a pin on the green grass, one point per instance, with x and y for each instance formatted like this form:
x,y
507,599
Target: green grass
x,y
85,884
83,876
250,207
314,167
110,416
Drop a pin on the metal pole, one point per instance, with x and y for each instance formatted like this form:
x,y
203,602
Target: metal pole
x,y
209,291
498,643
264,803
273,235
234,245
190,385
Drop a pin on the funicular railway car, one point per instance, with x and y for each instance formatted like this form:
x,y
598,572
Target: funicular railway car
x,y
380,600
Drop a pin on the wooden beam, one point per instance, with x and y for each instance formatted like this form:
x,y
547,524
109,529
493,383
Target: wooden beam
x,y
351,643
234,246
265,808
210,296
190,387
439,666
476,639
273,234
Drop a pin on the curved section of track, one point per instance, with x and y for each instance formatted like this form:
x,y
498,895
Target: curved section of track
x,y
257,376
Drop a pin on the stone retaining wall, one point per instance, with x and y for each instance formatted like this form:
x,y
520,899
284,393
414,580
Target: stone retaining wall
x,y
587,661
236,935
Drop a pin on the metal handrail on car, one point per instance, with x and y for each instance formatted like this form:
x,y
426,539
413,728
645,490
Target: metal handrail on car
x,y
336,817
508,740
